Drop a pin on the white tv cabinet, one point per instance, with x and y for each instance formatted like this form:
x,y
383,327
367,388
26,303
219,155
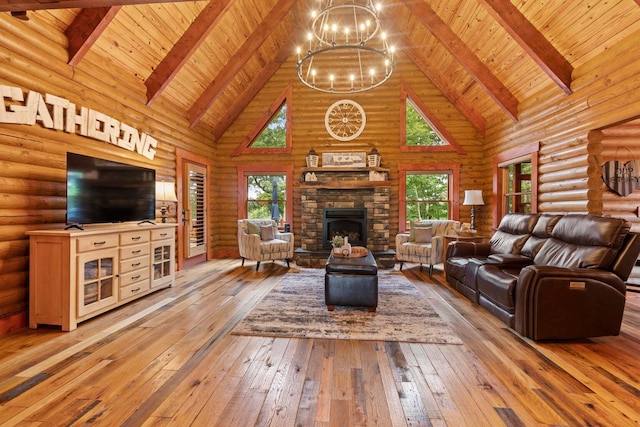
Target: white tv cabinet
x,y
75,274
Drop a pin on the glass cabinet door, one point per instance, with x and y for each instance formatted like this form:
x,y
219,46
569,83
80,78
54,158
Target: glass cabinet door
x,y
163,260
97,284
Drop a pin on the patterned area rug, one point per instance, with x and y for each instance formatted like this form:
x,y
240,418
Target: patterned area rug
x,y
295,308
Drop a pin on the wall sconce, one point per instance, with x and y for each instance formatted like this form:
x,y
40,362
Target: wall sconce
x,y
165,192
473,198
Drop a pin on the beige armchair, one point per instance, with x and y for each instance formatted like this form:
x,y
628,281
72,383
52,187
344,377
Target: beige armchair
x,y
259,240
424,244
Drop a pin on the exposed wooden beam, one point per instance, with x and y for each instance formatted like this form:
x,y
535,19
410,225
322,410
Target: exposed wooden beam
x,y
532,41
85,30
251,91
17,5
474,66
189,42
465,107
237,61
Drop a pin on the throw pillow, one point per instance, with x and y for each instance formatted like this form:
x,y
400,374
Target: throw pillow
x,y
413,225
253,227
424,235
266,232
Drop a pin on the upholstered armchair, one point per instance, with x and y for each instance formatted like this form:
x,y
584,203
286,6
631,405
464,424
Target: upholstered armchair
x,y
259,240
424,243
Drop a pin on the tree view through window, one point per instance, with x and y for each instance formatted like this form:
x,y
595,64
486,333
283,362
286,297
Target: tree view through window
x,y
419,131
274,135
266,196
427,195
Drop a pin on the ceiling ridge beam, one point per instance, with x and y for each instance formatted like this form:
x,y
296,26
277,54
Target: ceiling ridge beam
x,y
238,60
182,50
85,29
471,63
544,54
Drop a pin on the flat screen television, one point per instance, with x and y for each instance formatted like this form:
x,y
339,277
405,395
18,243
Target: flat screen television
x,y
103,191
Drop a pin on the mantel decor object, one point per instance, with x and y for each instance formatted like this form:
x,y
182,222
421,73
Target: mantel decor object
x,y
312,159
374,158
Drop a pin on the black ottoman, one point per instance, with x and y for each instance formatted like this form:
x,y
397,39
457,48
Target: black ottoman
x,y
351,281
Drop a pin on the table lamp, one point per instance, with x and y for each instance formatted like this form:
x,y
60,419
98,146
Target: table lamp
x,y
473,198
165,193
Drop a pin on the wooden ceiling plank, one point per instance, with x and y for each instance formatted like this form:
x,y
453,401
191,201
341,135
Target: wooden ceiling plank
x,y
235,64
20,5
544,54
190,41
474,66
450,92
85,29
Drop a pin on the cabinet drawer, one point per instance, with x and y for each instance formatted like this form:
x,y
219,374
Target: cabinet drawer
x,y
127,252
134,237
92,243
133,264
165,233
133,289
134,276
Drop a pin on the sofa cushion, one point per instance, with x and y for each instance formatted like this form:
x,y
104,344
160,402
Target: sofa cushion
x,y
583,241
497,286
512,233
266,232
253,227
423,235
541,232
505,243
413,225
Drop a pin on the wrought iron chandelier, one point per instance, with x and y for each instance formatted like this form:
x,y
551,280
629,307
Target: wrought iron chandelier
x,y
346,49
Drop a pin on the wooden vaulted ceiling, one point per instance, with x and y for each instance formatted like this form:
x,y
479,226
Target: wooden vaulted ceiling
x,y
210,58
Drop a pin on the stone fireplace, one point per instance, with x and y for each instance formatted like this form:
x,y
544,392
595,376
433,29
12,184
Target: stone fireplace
x,y
344,200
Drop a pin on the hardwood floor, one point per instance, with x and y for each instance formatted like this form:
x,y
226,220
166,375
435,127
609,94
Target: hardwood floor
x,y
169,360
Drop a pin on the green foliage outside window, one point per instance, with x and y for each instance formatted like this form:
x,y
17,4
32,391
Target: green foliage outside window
x,y
262,201
419,132
427,196
274,135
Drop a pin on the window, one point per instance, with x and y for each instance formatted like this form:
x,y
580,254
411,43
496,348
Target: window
x,y
272,133
515,181
517,187
266,196
428,192
419,132
275,134
420,129
265,192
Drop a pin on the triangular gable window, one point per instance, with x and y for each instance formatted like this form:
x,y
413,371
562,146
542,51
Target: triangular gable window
x,y
272,133
420,128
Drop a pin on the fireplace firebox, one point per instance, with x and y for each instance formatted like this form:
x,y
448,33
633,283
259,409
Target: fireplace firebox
x,y
349,222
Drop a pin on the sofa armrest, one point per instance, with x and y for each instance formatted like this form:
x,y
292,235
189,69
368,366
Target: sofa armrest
x,y
284,236
246,242
568,303
401,238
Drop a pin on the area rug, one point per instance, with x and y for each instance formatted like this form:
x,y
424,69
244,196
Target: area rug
x,y
296,308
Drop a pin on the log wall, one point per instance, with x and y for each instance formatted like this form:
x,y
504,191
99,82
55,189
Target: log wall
x,y
33,158
382,130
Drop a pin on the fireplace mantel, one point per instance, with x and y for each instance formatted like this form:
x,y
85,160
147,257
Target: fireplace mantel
x,y
345,185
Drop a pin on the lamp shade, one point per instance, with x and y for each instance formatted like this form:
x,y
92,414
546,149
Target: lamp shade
x,y
473,197
165,192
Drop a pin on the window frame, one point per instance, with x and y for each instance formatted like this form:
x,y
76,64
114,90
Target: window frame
x,y
516,155
244,171
454,188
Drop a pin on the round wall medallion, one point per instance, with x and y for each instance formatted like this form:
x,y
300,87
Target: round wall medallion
x,y
345,120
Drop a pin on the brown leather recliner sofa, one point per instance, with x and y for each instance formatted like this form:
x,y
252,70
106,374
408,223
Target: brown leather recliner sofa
x,y
549,276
